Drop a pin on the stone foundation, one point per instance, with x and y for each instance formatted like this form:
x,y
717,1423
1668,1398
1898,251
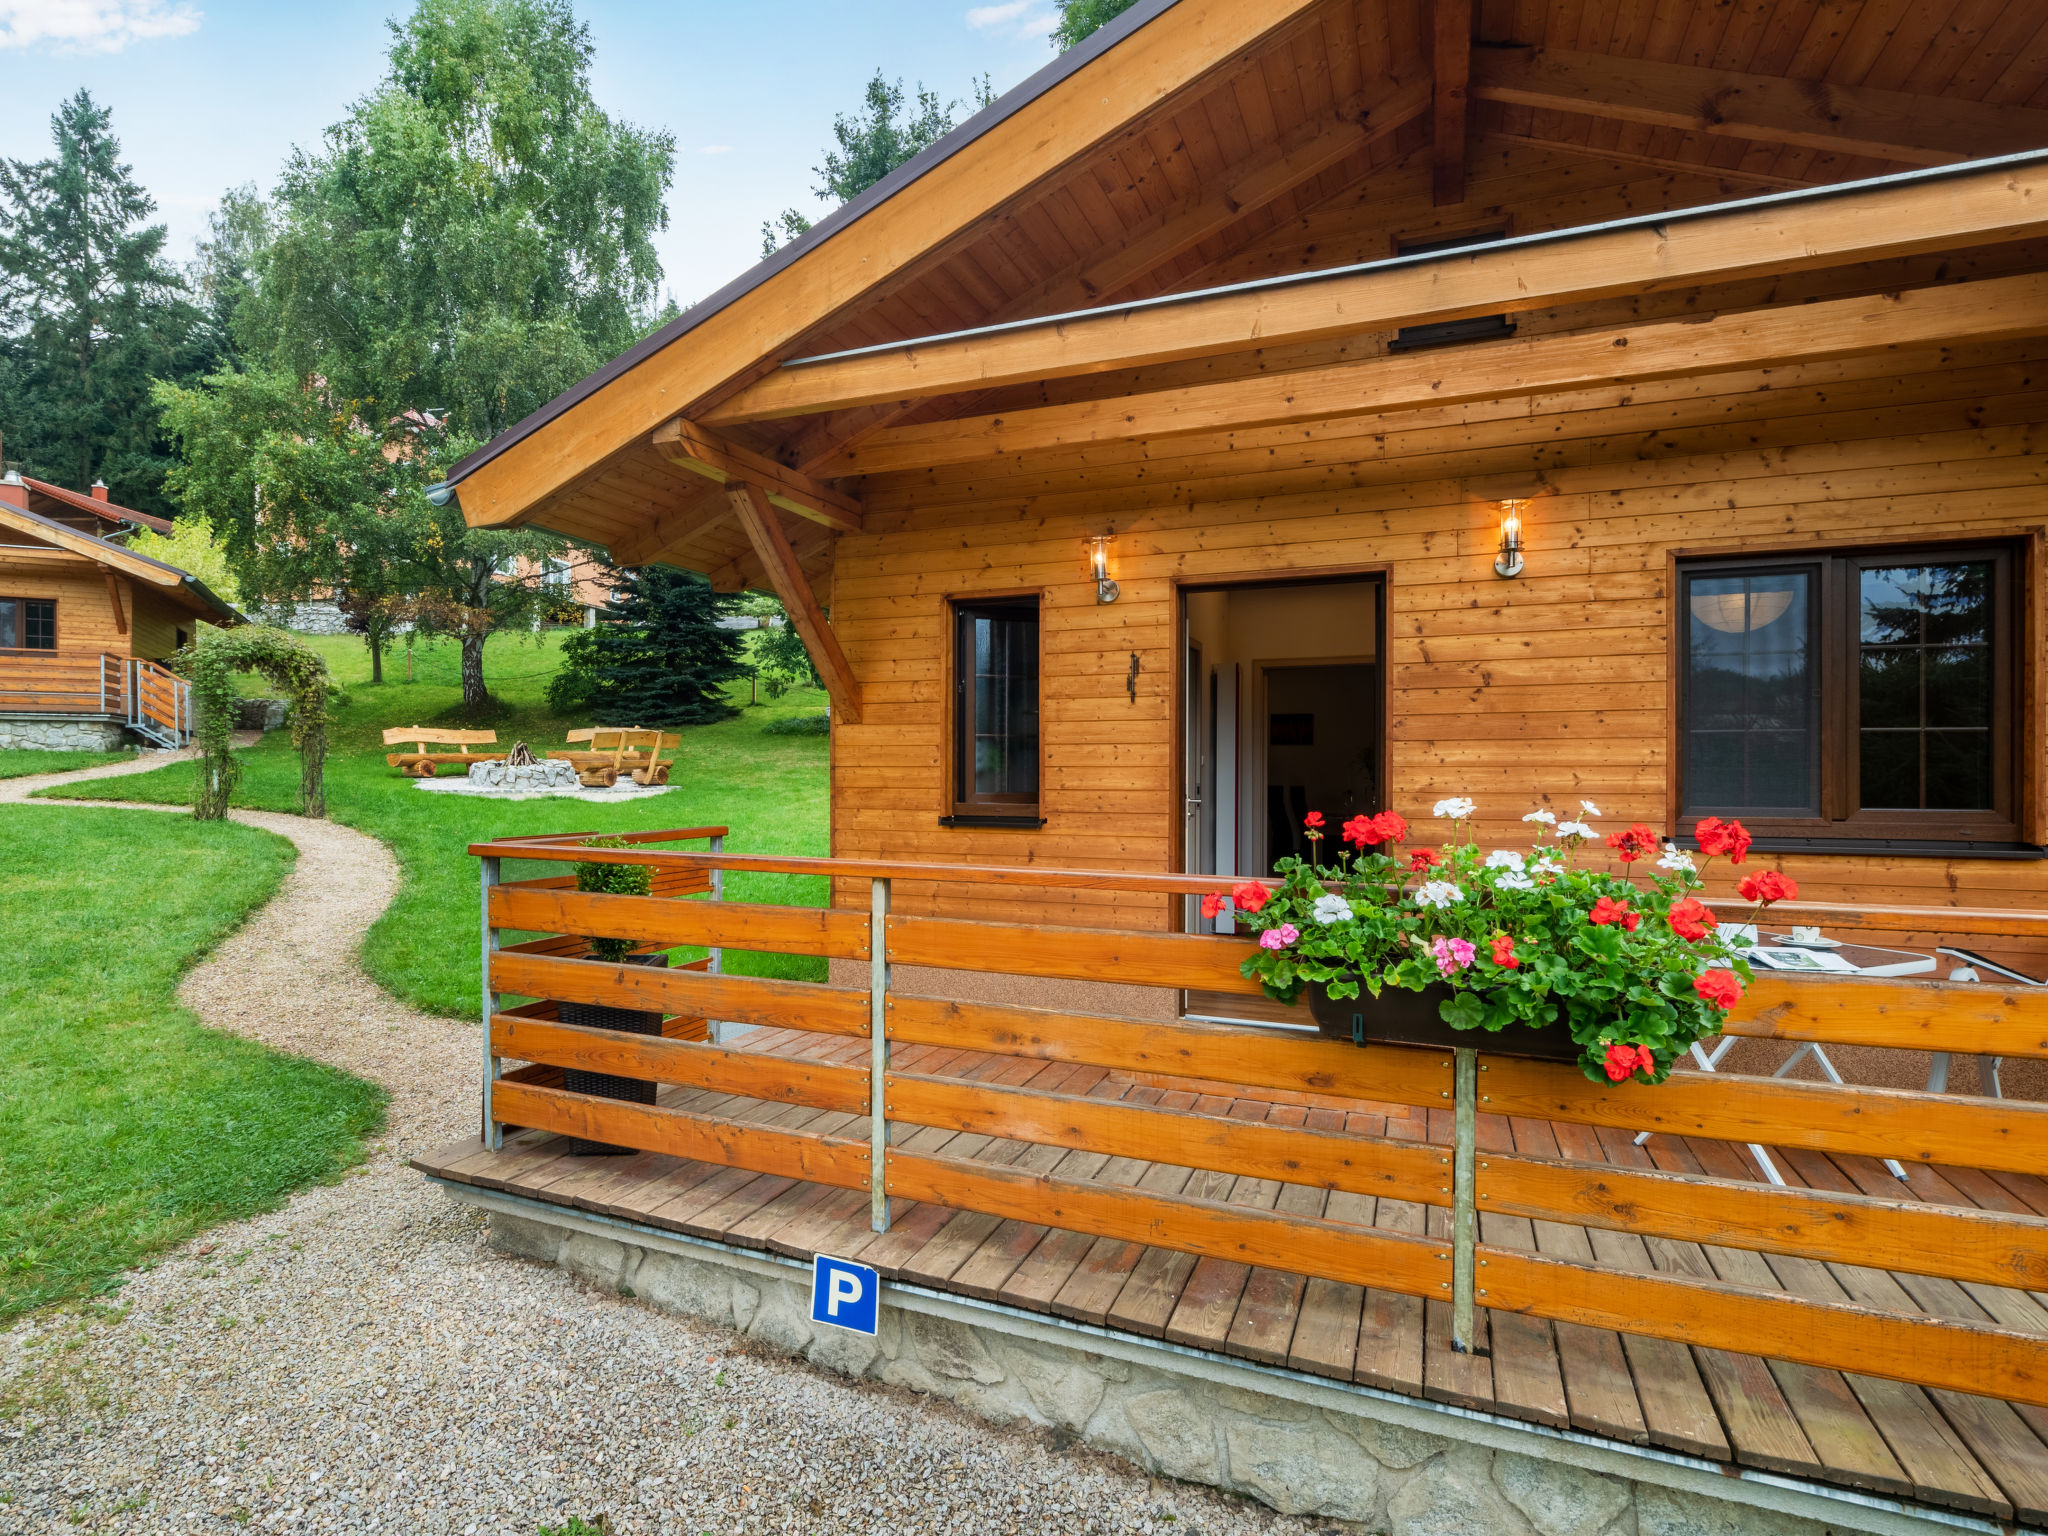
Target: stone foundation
x,y
63,733
1393,1465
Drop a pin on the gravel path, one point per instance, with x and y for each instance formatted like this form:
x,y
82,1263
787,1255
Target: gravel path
x,y
359,1361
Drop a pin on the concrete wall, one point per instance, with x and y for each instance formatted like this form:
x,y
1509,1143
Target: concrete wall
x,y
1395,1466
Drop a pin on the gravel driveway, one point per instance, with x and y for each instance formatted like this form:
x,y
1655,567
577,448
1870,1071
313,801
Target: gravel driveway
x,y
360,1361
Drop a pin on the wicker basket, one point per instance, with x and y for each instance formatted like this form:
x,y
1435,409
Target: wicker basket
x,y
604,1085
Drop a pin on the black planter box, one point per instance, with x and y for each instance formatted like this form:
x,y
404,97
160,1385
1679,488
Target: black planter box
x,y
1399,1016
603,1085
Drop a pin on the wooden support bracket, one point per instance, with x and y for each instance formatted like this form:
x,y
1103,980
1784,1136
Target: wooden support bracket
x,y
705,452
114,597
755,509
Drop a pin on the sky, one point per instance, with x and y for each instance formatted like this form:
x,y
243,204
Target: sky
x,y
210,94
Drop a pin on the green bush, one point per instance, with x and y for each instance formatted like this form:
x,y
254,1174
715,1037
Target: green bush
x,y
799,725
613,880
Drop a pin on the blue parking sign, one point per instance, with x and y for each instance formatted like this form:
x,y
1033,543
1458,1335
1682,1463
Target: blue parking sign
x,y
844,1294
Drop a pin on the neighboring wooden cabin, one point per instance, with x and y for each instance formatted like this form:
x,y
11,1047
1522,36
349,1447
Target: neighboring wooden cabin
x,y
1735,311
84,625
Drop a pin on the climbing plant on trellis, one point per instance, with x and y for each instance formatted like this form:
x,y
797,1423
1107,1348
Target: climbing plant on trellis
x,y
291,666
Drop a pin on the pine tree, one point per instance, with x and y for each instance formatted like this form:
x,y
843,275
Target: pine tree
x,y
90,313
656,657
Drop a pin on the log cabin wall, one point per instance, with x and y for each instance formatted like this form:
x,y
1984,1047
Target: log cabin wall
x,y
85,611
1547,688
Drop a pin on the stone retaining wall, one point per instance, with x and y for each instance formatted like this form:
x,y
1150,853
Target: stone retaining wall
x,y
1394,1466
63,733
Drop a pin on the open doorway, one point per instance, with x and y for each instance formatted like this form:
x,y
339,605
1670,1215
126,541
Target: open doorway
x,y
1281,714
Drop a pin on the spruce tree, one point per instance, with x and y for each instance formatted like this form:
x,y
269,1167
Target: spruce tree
x,y
656,657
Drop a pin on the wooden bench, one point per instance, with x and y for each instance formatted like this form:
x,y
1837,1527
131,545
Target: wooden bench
x,y
422,763
614,751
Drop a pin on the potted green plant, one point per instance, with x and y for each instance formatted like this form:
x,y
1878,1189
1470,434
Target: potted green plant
x,y
1537,954
614,880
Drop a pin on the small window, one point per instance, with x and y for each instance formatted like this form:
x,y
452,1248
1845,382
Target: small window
x,y
995,709
1859,695
28,624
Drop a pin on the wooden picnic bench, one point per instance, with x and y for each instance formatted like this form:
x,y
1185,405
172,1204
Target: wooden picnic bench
x,y
613,751
423,763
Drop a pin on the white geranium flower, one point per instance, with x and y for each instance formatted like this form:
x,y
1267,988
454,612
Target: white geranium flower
x,y
1575,829
1513,880
1548,818
1504,858
1457,808
1545,865
1589,808
1676,857
1438,893
1332,909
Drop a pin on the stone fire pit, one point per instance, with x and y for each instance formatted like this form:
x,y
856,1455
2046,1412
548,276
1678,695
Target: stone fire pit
x,y
547,773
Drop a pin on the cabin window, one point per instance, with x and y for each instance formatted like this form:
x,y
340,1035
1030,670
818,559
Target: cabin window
x,y
995,709
28,624
1859,695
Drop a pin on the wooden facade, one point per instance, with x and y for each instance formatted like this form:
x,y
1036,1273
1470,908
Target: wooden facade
x,y
1240,215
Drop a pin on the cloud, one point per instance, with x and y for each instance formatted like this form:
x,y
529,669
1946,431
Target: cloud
x,y
1017,18
92,26
715,149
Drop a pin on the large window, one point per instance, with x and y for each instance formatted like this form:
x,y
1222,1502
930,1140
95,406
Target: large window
x,y
995,709
28,624
1866,695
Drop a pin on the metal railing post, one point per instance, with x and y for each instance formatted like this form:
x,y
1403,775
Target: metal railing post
x,y
494,1134
878,1057
1464,1180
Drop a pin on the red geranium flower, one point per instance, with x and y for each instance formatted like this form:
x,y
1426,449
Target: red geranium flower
x,y
1623,1061
1250,896
1633,844
1691,919
1767,886
1424,858
1607,910
1718,988
1359,831
1212,905
1504,952
1717,836
1313,821
1390,826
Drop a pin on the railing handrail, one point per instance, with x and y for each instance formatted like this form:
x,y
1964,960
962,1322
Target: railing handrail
x,y
1999,920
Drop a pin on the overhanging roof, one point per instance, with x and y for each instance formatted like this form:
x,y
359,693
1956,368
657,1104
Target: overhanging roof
x,y
182,587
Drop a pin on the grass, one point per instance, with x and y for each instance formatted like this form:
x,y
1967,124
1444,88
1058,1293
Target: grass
x,y
770,789
125,1124
20,762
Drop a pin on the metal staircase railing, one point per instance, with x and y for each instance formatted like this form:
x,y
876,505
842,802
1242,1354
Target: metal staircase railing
x,y
159,704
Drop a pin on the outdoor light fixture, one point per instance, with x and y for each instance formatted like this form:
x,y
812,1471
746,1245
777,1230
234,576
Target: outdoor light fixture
x,y
1106,591
1509,561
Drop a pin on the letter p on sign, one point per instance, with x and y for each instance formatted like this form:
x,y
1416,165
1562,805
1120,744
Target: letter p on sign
x,y
844,1294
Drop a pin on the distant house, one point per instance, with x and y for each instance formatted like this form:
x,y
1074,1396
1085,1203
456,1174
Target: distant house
x,y
86,624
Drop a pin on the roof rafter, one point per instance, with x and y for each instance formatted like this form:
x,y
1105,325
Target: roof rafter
x,y
1867,222
697,448
1452,64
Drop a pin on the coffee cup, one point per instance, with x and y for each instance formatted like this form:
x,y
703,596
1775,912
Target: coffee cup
x,y
1806,936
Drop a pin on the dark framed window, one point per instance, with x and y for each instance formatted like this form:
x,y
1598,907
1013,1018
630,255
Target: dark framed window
x,y
995,709
1864,694
28,624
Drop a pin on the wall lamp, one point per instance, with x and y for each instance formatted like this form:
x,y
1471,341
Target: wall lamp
x,y
1106,591
1509,561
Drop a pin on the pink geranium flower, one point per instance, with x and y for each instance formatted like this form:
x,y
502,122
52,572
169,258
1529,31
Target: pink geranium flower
x,y
1279,938
1452,955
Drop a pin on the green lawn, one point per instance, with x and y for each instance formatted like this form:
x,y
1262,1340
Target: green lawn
x,y
126,1125
20,762
770,789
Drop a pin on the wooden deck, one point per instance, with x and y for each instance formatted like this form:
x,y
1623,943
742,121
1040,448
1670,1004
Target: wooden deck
x,y
1887,1437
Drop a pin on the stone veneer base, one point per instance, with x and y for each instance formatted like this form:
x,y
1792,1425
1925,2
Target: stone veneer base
x,y
1298,1443
62,733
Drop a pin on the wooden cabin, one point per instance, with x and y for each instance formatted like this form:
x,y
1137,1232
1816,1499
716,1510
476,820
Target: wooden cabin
x,y
1345,404
85,626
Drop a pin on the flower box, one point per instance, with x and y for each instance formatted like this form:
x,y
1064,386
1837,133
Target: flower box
x,y
1399,1016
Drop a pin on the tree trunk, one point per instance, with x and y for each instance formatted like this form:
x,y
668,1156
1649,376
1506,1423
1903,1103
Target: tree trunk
x,y
474,695
376,643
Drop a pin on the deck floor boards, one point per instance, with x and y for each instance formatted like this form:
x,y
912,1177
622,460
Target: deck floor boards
x,y
1885,1437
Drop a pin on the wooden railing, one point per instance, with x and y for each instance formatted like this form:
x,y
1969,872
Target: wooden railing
x,y
61,682
159,702
876,1107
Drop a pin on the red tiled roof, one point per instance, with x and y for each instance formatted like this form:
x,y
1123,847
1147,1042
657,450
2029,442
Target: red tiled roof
x,y
107,510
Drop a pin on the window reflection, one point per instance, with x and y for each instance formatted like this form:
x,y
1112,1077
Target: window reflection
x,y
1005,703
1752,739
1925,686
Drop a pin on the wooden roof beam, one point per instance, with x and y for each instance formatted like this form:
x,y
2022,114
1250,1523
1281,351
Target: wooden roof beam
x,y
697,448
1451,111
1812,114
1987,310
753,507
1675,250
